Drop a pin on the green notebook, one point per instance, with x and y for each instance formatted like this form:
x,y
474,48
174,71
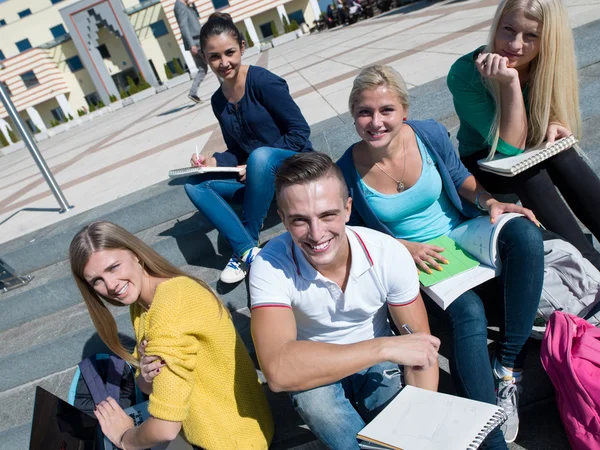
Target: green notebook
x,y
458,261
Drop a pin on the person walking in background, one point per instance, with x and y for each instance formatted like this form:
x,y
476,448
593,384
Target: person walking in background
x,y
188,19
261,126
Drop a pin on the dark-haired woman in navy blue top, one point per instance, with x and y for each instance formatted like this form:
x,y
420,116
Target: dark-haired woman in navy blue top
x,y
261,125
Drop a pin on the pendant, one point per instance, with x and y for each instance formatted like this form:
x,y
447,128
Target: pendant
x,y
400,187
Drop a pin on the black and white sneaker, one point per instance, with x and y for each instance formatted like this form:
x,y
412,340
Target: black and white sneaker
x,y
194,98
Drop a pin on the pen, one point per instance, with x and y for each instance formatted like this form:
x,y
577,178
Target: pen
x,y
406,328
197,155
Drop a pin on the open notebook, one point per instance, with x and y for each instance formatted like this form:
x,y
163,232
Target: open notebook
x,y
509,166
471,251
187,171
418,419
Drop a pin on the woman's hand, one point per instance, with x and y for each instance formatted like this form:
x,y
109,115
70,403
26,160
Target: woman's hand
x,y
242,173
495,67
425,254
556,131
202,161
113,420
496,208
149,365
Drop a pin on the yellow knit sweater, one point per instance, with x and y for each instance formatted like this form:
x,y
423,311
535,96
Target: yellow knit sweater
x,y
209,382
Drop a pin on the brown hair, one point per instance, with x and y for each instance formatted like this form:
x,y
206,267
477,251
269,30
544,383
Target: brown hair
x,y
217,24
304,168
102,235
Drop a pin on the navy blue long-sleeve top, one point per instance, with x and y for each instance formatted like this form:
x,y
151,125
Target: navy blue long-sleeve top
x,y
266,116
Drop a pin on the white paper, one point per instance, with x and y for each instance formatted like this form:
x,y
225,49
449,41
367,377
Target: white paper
x,y
418,419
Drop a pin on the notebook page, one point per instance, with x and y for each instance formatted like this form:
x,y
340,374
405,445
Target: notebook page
x,y
418,419
459,261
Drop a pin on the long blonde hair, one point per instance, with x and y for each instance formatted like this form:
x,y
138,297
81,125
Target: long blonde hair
x,y
553,88
102,235
371,77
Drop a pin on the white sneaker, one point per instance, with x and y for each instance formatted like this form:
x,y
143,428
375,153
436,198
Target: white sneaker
x,y
507,397
249,257
233,272
538,329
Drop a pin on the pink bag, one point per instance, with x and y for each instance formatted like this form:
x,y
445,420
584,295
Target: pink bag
x,y
570,354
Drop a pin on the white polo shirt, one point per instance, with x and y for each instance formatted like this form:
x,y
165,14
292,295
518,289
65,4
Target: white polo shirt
x,y
382,272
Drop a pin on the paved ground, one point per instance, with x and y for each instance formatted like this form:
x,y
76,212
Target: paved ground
x,y
132,148
115,169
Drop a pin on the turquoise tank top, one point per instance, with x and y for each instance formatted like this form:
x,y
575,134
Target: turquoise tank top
x,y
420,213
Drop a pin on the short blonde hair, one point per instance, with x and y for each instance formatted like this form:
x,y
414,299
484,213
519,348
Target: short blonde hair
x,y
371,77
553,85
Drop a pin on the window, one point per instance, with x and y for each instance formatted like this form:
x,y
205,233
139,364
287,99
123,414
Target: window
x,y
159,28
29,79
92,99
265,29
298,16
74,63
2,57
6,88
23,45
103,51
58,31
54,2
25,13
2,22
32,126
58,114
218,4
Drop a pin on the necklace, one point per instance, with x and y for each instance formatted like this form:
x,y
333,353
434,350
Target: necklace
x,y
399,183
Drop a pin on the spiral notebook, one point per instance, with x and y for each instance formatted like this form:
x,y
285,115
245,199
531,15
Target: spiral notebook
x,y
418,419
187,171
509,166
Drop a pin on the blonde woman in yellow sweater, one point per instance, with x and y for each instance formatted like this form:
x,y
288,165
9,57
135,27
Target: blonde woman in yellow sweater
x,y
191,361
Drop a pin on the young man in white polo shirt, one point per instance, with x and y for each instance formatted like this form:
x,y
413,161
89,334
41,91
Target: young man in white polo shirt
x,y
320,296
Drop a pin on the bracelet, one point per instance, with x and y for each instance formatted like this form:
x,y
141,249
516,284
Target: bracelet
x,y
123,437
479,194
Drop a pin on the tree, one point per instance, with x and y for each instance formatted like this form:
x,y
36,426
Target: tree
x,y
177,66
294,26
274,29
286,25
132,86
249,41
123,93
143,84
3,140
13,136
168,72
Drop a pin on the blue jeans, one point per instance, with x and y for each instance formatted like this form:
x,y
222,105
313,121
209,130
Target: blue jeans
x,y
210,193
521,251
336,412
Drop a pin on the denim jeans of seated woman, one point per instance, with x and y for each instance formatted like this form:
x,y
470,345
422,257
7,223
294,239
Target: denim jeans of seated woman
x,y
212,193
336,412
521,252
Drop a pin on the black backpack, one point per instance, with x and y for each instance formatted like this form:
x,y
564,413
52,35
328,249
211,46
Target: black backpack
x,y
101,376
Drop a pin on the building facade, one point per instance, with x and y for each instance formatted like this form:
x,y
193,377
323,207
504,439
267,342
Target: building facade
x,y
59,57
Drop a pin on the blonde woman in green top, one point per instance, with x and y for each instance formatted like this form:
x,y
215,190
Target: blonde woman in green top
x,y
521,90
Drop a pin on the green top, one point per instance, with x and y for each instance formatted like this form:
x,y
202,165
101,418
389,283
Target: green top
x,y
476,108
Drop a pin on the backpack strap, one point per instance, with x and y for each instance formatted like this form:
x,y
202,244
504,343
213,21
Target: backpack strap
x,y
114,376
93,380
592,312
98,389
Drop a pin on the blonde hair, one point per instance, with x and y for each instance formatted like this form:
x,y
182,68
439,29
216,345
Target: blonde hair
x,y
553,88
371,77
102,235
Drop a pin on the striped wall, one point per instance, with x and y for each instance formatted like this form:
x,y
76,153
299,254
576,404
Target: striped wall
x,y
238,9
52,82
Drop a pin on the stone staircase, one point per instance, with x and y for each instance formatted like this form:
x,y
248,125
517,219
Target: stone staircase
x,y
45,329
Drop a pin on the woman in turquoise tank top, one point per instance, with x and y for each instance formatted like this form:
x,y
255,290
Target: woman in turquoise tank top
x,y
406,179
